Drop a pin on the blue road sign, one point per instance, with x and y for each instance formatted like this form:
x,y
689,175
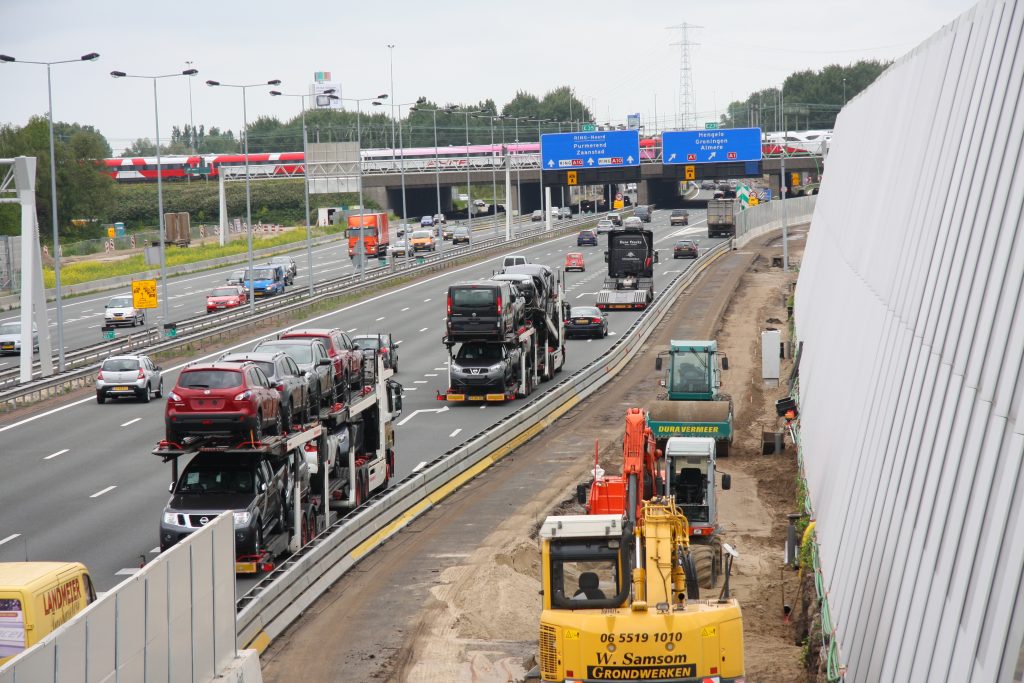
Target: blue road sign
x,y
724,145
597,149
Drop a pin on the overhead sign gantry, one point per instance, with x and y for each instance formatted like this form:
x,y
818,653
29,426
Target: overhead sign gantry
x,y
596,156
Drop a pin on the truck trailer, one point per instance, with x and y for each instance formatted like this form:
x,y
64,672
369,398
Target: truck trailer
x,y
721,218
630,281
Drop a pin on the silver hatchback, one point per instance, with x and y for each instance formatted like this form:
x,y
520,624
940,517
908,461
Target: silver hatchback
x,y
136,376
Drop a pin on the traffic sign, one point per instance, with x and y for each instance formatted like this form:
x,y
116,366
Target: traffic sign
x,y
198,170
711,146
600,149
144,293
570,178
633,121
689,172
710,125
589,127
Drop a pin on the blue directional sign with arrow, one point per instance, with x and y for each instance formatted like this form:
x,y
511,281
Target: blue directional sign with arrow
x,y
723,145
594,149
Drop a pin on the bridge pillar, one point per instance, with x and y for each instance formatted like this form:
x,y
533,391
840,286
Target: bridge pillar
x,y
642,193
378,195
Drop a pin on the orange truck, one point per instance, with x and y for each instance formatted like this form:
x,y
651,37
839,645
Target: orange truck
x,y
373,229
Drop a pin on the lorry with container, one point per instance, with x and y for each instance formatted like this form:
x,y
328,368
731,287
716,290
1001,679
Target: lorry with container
x,y
372,228
281,488
177,229
630,281
502,341
722,218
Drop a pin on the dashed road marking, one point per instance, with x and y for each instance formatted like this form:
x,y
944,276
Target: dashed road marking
x,y
404,309
419,381
100,493
9,538
131,422
353,330
430,374
155,551
455,433
408,388
380,318
426,300
128,571
54,455
419,467
399,342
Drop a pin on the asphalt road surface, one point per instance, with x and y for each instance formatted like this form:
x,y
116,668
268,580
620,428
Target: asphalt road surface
x,y
79,480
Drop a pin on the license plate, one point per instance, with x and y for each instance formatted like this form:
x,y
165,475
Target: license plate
x,y
122,388
8,347
220,305
582,321
245,567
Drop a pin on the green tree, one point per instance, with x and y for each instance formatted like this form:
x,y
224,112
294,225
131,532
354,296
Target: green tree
x,y
83,189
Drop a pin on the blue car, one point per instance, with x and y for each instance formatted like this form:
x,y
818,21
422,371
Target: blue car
x,y
267,280
586,237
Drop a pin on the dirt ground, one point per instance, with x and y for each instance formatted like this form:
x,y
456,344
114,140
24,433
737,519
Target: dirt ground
x,y
483,625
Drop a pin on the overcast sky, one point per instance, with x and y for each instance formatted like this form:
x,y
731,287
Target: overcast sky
x,y
617,55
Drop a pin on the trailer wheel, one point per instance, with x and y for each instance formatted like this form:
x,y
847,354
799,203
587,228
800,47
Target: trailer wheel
x,y
359,489
391,467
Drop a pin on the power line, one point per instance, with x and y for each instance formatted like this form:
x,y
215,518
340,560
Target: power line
x,y
687,104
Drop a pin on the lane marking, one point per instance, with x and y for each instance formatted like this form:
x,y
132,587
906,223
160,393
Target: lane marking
x,y
414,471
426,301
128,571
100,493
408,389
155,551
455,433
399,342
404,309
352,330
54,455
14,536
131,422
380,318
424,329
483,407
430,374
419,381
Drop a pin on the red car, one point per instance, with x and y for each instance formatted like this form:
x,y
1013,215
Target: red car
x,y
223,298
574,261
223,399
348,360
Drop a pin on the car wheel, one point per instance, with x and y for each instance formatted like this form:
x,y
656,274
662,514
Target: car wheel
x,y
146,394
257,428
259,536
286,416
160,388
312,405
100,398
277,426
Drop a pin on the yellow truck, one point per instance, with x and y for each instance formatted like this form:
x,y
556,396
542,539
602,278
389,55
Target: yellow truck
x,y
621,602
38,597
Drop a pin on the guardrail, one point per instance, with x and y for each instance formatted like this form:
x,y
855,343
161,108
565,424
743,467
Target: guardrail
x,y
201,329
267,609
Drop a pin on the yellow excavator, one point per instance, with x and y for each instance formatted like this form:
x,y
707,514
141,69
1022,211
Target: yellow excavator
x,y
622,602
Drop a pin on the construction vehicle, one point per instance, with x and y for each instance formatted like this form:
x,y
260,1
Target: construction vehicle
x,y
501,344
281,489
722,217
693,405
621,599
684,471
630,281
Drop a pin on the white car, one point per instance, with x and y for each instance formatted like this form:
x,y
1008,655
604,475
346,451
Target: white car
x,y
120,310
133,375
10,338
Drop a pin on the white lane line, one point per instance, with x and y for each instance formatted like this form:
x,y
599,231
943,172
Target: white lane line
x,y
128,571
14,536
399,342
269,335
352,330
408,388
414,469
424,329
404,309
440,369
54,455
93,327
455,433
177,305
380,318
430,374
100,493
155,551
131,422
483,406
426,301
419,381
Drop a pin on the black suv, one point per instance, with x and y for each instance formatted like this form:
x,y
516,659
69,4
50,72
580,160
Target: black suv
x,y
480,367
483,309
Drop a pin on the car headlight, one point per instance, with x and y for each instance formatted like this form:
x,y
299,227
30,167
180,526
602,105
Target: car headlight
x,y
494,367
241,518
171,518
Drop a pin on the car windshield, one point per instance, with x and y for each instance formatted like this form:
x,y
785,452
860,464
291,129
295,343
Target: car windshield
x,y
367,342
678,212
685,243
585,312
461,231
210,379
216,478
224,291
604,221
120,302
421,234
300,353
120,364
264,274
282,259
466,296
479,352
10,328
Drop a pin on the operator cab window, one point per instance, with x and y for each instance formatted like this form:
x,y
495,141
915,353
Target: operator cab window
x,y
585,572
690,374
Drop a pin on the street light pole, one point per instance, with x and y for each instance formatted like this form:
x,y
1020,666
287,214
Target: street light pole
x,y
305,174
90,57
469,184
360,244
437,169
248,187
494,181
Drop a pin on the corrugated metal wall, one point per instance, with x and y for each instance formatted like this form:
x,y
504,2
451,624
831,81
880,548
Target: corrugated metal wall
x,y
909,304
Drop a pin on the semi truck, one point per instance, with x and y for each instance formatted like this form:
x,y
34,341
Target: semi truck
x,y
177,229
373,229
501,343
630,282
693,404
281,489
721,218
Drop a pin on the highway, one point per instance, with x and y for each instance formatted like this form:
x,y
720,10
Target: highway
x,y
83,315
82,485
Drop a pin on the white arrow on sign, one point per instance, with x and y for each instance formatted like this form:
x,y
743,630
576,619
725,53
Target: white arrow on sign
x,y
590,161
551,163
672,156
423,410
629,159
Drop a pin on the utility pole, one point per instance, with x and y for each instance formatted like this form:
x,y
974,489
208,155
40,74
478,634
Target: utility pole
x,y
687,102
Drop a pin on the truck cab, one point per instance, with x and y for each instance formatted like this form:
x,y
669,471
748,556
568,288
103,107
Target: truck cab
x,y
690,480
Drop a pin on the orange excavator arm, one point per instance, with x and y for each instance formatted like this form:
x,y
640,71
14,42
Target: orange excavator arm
x,y
609,494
